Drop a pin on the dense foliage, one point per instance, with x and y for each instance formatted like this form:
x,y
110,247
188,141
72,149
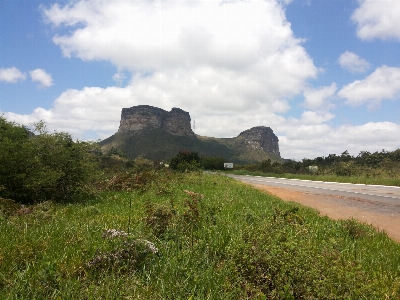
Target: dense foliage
x,y
190,161
185,161
212,163
46,166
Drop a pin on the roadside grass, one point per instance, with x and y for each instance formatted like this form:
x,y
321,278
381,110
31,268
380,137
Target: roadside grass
x,y
191,236
379,180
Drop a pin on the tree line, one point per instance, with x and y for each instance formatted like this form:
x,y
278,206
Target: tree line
x,y
364,164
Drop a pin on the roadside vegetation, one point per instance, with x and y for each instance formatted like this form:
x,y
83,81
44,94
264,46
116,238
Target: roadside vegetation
x,y
137,230
368,168
167,235
43,166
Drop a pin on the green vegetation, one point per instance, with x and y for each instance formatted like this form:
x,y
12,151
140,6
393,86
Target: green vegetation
x,y
212,163
157,144
368,168
166,235
241,153
41,167
185,161
78,224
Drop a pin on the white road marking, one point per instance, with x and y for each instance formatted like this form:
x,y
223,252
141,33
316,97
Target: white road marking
x,y
324,188
329,182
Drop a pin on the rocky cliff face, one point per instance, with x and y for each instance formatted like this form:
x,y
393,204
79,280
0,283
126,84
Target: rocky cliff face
x,y
136,118
259,138
160,134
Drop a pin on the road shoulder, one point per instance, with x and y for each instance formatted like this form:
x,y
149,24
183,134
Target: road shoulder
x,y
338,207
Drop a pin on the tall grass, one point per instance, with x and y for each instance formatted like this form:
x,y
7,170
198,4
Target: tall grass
x,y
215,239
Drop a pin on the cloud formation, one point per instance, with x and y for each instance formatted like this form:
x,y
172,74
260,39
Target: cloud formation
x,y
40,76
353,63
310,141
383,83
231,64
377,19
230,55
11,75
319,99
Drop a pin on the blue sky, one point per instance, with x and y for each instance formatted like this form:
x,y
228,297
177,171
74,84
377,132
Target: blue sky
x,y
324,75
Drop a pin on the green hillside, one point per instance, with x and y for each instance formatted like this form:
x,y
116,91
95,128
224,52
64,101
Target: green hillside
x,y
242,153
158,144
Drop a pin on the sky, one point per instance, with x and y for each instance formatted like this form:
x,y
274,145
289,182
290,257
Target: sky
x,y
323,74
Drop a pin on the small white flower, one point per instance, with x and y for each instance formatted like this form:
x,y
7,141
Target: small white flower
x,y
150,245
113,233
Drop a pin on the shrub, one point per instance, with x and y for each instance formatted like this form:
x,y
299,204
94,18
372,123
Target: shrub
x,y
158,218
127,254
143,164
128,181
116,152
185,161
213,163
47,166
113,163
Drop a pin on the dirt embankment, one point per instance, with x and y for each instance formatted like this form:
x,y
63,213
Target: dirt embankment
x,y
338,207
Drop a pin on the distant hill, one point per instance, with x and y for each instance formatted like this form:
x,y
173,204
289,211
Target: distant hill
x,y
159,134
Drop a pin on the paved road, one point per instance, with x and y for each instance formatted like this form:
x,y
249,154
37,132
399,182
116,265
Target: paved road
x,y
386,195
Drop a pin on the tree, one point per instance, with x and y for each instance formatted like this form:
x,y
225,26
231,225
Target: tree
x,y
185,161
46,166
291,166
213,163
345,156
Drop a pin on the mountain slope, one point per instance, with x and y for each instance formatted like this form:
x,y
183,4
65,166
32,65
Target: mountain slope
x,y
158,144
159,134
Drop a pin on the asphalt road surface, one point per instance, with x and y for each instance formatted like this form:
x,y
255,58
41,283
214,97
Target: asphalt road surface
x,y
388,195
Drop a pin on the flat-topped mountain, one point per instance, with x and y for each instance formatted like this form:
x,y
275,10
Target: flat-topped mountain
x,y
175,122
159,134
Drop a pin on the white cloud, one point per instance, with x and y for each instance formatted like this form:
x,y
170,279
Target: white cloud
x,y
11,75
319,99
310,141
77,111
213,59
99,109
383,83
40,75
314,118
353,62
233,53
119,78
232,65
378,19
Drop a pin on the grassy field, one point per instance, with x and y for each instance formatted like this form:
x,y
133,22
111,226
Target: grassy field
x,y
380,180
190,236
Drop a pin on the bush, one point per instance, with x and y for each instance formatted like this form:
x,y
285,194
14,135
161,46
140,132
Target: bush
x,y
130,180
213,163
47,166
185,161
